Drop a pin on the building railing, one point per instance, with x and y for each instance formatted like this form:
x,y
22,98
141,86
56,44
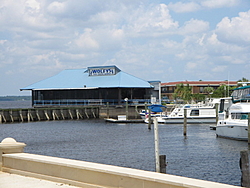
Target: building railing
x,y
90,102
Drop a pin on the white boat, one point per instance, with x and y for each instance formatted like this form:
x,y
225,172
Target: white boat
x,y
196,113
145,114
233,123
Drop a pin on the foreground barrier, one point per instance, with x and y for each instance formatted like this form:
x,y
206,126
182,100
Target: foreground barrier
x,y
87,174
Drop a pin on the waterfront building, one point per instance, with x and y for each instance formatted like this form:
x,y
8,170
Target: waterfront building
x,y
92,85
168,88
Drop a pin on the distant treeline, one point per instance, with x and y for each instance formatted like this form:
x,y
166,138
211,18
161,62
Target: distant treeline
x,y
15,98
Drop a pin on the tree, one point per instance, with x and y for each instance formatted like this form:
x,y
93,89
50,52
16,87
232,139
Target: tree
x,y
242,80
198,97
208,91
183,92
223,91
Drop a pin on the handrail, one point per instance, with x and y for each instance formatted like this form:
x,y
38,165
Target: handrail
x,y
83,102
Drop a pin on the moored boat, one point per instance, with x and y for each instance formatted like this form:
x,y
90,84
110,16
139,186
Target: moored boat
x,y
196,113
234,123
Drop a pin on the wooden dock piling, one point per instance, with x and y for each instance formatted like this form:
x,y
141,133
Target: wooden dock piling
x,y
185,123
244,167
248,128
163,164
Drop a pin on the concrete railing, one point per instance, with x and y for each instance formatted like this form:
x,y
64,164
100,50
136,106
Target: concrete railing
x,y
87,174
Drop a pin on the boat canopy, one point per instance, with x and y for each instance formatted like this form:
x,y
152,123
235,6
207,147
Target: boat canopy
x,y
156,108
241,94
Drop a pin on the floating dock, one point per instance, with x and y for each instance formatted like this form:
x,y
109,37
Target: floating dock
x,y
123,119
111,120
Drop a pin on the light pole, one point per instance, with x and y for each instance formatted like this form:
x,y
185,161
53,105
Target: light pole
x,y
126,100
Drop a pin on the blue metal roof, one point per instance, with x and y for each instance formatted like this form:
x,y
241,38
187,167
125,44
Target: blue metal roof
x,y
81,79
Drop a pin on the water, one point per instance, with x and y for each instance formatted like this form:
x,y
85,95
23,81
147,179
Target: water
x,y
200,155
15,104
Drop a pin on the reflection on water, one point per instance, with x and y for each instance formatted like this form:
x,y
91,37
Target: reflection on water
x,y
200,155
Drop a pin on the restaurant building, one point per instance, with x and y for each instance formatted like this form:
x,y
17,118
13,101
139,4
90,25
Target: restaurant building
x,y
92,85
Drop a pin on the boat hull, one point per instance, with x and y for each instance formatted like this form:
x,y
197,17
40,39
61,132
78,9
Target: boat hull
x,y
232,130
193,120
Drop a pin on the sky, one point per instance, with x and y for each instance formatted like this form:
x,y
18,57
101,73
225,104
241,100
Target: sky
x,y
153,40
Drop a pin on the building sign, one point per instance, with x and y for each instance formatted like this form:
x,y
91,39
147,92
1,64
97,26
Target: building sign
x,y
101,71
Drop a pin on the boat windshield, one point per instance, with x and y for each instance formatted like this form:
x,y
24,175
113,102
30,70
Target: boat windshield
x,y
239,115
241,94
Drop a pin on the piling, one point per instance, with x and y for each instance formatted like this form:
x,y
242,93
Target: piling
x,y
185,123
217,112
126,99
248,128
244,166
149,119
163,164
156,137
107,110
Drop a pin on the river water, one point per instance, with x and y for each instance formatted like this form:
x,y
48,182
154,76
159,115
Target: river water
x,y
199,155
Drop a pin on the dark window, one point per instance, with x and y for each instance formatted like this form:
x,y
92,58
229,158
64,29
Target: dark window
x,y
194,113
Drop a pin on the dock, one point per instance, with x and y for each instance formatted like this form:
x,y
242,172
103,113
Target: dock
x,y
123,119
47,114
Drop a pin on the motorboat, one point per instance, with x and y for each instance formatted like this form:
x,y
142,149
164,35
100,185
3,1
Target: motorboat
x,y
196,113
145,114
233,123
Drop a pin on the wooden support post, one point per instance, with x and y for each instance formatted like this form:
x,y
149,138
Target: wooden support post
x,y
61,110
149,119
1,119
93,113
53,115
217,112
126,108
70,114
107,110
244,166
11,116
185,123
78,115
248,128
163,163
38,116
28,115
21,115
46,114
86,113
156,137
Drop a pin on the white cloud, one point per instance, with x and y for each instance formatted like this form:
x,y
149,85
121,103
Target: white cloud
x,y
191,65
219,3
86,40
219,68
153,21
56,7
184,7
235,30
194,26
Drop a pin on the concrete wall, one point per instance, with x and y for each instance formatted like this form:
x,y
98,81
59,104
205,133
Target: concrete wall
x,y
87,174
